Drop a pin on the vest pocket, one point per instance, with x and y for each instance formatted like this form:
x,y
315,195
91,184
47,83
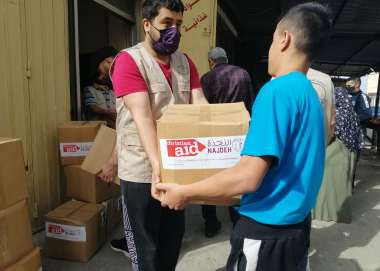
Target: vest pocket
x,y
136,163
184,96
158,88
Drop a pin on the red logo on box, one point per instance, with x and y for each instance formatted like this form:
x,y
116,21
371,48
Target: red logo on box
x,y
55,229
184,147
71,148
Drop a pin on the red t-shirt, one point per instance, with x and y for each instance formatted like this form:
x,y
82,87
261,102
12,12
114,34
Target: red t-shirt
x,y
127,79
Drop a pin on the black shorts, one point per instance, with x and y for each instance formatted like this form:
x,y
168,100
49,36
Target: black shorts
x,y
259,247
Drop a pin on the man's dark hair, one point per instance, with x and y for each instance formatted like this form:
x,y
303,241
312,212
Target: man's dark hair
x,y
151,8
311,24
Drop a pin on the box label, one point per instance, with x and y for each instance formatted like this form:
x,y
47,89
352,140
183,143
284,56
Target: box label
x,y
65,232
75,149
201,153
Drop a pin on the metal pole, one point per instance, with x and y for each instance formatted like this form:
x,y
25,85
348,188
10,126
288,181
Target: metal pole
x,y
377,98
77,66
376,113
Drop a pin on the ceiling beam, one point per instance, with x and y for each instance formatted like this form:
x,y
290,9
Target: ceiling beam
x,y
336,63
340,10
358,51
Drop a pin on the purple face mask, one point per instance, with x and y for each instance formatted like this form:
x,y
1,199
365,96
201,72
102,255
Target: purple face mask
x,y
168,42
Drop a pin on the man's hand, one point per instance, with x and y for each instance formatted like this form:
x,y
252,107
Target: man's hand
x,y
375,121
108,172
172,196
156,179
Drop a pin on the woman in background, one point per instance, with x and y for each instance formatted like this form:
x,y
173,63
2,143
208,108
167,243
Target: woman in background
x,y
333,202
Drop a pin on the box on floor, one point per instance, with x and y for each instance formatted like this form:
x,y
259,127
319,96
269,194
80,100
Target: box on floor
x,y
15,227
31,262
15,233
75,230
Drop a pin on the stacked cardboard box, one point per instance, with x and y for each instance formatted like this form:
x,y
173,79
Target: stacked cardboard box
x,y
31,262
75,140
15,227
76,229
99,154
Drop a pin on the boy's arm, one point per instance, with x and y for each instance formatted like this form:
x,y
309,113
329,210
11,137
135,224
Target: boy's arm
x,y
245,177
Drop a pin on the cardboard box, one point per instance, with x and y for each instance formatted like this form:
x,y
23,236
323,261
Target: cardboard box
x,y
75,231
85,186
13,186
75,140
197,141
15,233
31,262
114,213
101,150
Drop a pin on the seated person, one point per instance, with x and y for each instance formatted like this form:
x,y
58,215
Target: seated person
x,y
99,98
99,101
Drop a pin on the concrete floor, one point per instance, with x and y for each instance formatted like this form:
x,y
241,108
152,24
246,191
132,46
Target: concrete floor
x,y
335,247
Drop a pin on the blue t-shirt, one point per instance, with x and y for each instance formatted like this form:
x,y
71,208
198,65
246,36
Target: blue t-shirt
x,y
287,123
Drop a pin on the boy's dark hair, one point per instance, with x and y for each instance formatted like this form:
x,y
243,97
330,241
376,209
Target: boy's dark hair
x,y
311,24
151,8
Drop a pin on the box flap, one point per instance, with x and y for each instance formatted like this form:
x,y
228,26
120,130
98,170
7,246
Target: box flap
x,y
76,212
4,140
101,150
81,124
216,113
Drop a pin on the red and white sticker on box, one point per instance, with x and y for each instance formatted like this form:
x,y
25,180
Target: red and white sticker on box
x,y
66,232
75,149
201,153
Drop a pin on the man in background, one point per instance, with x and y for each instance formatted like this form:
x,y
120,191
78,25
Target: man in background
x,y
360,101
224,83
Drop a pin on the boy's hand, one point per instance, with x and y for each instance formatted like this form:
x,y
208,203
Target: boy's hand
x,y
172,196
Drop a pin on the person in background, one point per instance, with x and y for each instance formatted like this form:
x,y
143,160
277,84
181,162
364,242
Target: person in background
x,y
147,78
224,83
99,98
334,202
324,86
282,163
362,106
360,101
100,101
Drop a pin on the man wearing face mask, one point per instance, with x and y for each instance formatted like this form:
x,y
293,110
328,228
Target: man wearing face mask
x,y
147,78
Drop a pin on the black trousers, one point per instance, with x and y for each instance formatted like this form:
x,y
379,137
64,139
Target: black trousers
x,y
259,247
154,234
209,214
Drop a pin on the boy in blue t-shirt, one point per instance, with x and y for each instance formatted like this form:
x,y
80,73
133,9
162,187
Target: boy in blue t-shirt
x,y
282,162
